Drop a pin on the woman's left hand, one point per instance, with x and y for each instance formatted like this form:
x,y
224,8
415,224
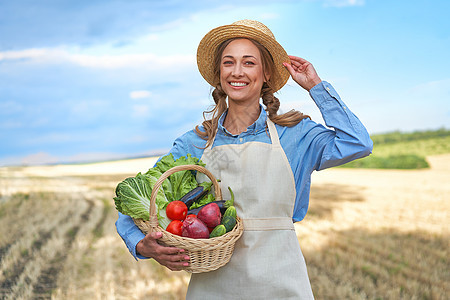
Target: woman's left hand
x,y
303,72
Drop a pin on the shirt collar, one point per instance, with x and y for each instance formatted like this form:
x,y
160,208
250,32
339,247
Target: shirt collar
x,y
259,124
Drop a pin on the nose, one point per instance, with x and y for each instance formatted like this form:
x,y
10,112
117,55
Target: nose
x,y
238,71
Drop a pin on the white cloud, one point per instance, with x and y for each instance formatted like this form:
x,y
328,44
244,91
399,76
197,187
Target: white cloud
x,y
433,87
343,3
150,37
39,158
31,53
140,94
137,139
11,124
99,61
141,110
49,138
131,60
173,24
10,107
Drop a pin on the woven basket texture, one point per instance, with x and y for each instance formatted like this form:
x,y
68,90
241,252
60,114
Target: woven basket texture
x,y
205,254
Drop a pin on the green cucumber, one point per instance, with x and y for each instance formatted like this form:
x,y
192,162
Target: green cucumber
x,y
218,231
229,222
231,211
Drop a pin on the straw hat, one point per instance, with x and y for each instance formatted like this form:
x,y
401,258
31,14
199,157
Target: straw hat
x,y
246,29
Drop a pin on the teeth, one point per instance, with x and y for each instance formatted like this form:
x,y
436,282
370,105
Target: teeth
x,y
238,83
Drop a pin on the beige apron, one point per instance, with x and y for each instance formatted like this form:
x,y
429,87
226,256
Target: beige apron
x,y
267,262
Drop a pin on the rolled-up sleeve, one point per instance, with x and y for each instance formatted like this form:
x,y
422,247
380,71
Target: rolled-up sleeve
x,y
349,140
130,234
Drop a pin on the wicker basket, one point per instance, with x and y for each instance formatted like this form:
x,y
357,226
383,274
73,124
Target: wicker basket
x,y
205,254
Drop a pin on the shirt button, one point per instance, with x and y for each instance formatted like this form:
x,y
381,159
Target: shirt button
x,y
241,139
328,89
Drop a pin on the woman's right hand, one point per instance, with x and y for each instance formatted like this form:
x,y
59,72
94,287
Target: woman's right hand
x,y
170,257
302,72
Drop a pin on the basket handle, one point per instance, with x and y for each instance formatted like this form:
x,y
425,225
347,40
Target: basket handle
x,y
159,182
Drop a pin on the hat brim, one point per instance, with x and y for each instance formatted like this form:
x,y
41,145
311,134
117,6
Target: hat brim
x,y
208,45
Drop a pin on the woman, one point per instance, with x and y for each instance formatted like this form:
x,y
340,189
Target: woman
x,y
266,158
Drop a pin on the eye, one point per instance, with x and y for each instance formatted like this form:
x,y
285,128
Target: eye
x,y
227,62
249,63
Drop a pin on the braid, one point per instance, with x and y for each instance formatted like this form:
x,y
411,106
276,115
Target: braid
x,y
210,125
270,101
219,95
272,104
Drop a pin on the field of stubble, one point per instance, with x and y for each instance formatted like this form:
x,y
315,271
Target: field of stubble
x,y
369,234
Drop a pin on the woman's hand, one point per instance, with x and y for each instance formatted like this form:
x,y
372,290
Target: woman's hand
x,y
170,257
303,72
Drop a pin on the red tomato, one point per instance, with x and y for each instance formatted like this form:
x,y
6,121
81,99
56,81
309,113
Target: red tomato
x,y
175,227
176,210
191,215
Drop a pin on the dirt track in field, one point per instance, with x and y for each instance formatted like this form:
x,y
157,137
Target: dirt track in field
x,y
368,234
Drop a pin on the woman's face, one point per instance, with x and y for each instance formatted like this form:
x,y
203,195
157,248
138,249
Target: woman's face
x,y
241,71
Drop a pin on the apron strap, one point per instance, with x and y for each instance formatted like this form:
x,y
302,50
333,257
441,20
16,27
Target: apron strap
x,y
273,133
264,224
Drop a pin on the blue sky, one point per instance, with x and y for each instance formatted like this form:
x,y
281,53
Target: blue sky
x,y
94,80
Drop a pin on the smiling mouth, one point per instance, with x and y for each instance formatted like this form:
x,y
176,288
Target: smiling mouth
x,y
238,84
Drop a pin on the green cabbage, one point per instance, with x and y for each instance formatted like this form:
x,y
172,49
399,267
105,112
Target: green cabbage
x,y
133,194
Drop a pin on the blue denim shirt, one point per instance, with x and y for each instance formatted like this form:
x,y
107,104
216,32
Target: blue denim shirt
x,y
308,146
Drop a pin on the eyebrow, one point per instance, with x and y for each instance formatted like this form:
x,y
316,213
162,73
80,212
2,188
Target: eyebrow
x,y
245,56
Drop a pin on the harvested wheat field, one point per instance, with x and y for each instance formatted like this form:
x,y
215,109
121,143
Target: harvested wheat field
x,y
369,234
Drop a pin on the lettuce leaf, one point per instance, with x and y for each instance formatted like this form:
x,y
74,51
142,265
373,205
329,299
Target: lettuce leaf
x,y
168,162
133,194
133,197
166,185
205,200
181,182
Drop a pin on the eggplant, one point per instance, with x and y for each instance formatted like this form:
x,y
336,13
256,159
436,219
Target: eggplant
x,y
194,195
197,193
